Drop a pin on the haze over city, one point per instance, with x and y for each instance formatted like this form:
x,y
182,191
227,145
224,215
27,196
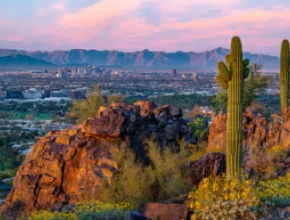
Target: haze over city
x,y
131,25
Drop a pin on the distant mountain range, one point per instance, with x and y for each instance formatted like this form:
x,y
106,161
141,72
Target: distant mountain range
x,y
205,61
22,61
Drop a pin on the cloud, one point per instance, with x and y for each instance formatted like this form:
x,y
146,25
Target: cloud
x,y
99,14
163,25
59,6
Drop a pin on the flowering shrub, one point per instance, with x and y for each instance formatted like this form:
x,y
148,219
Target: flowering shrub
x,y
217,198
46,215
275,192
94,210
98,210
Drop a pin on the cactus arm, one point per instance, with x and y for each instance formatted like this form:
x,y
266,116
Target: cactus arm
x,y
228,61
222,83
246,72
224,72
246,62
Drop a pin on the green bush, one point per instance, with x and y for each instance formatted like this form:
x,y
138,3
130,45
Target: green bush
x,y
165,176
81,110
199,128
10,158
275,192
6,174
94,210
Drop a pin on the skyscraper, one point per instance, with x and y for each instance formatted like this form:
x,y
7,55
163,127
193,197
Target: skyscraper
x,y
174,72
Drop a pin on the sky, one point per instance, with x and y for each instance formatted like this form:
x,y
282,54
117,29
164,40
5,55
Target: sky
x,y
130,25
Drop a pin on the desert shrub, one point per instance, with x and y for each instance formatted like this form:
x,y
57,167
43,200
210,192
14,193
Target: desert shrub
x,y
275,192
199,128
46,215
6,174
218,198
81,110
98,210
262,162
165,176
130,183
10,158
168,170
93,210
113,98
89,107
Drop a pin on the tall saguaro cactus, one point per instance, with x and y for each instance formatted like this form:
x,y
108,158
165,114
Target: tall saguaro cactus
x,y
284,75
231,77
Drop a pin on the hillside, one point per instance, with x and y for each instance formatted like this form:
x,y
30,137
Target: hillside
x,y
22,61
202,61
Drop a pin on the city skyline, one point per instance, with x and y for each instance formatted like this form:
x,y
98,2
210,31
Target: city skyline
x,y
132,25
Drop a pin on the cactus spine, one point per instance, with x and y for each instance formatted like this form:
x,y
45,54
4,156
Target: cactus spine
x,y
284,75
231,77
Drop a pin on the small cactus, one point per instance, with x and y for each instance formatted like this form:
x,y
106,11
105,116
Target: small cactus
x,y
231,77
284,75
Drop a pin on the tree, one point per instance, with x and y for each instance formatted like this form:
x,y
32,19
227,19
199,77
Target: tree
x,y
255,86
89,107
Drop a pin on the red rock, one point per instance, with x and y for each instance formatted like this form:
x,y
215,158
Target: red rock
x,y
158,211
257,131
66,167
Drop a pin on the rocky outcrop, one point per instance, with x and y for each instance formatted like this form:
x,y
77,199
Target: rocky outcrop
x,y
258,131
260,135
66,167
207,165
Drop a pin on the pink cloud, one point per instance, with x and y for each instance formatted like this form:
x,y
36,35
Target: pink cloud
x,y
112,24
99,14
59,6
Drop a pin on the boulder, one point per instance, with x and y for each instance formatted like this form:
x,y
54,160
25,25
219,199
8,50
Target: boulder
x,y
209,164
66,167
158,211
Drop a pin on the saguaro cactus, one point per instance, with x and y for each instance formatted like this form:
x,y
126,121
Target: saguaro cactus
x,y
284,75
231,77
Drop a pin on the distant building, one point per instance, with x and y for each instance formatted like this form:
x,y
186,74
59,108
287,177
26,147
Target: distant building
x,y
2,94
46,93
58,94
64,73
89,70
174,72
32,94
77,93
195,77
14,94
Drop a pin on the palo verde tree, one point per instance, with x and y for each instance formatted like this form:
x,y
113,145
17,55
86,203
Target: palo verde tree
x,y
231,77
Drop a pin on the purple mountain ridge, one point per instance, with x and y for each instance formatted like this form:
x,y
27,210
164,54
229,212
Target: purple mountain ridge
x,y
144,59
